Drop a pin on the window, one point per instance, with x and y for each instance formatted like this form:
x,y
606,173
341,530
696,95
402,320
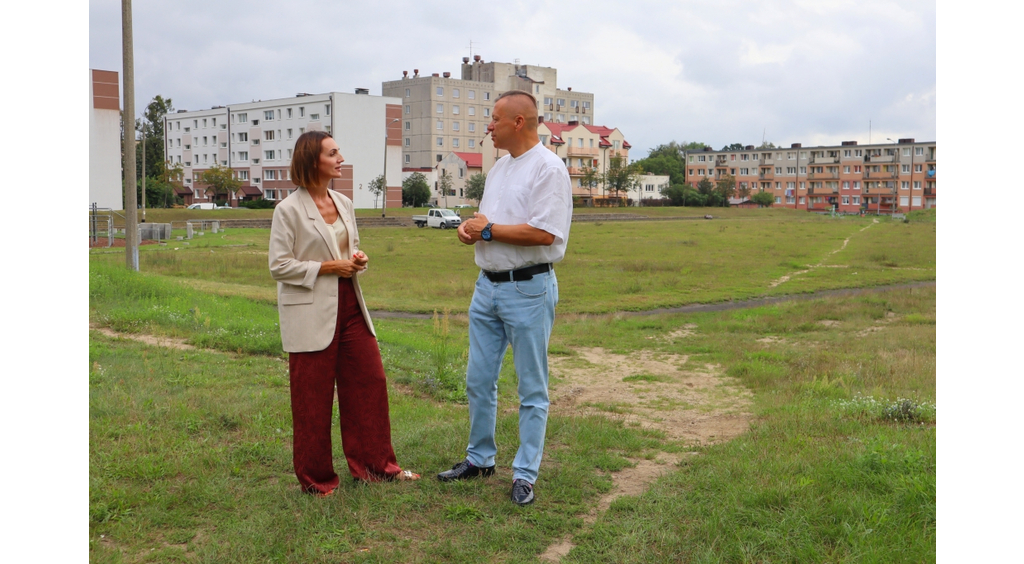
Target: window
x,y
472,143
269,175
847,153
472,127
778,200
243,175
917,168
455,126
579,142
561,118
255,122
408,142
255,180
289,133
269,194
472,110
905,168
487,112
177,125
586,120
255,141
440,91
904,185
700,158
302,111
314,117
744,171
204,141
917,185
408,125
243,155
302,130
268,155
440,108
916,201
327,109
487,95
858,153
560,102
440,141
408,109
455,142
289,156
407,156
407,93
455,92
856,184
204,123
268,115
268,135
205,158
455,110
289,113
472,94
778,170
846,185
440,125
919,151
906,151
574,103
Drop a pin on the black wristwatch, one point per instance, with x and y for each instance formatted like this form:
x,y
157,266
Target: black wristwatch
x,y
486,233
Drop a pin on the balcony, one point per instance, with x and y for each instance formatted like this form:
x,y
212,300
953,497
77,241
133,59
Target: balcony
x,y
880,159
929,191
890,174
890,191
822,191
766,174
823,175
721,163
825,160
574,170
582,151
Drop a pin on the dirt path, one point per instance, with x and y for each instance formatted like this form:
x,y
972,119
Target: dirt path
x,y
820,264
695,404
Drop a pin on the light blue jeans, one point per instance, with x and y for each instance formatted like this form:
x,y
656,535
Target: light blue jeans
x,y
521,313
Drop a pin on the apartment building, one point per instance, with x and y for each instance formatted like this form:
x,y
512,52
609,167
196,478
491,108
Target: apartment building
x,y
442,114
256,141
876,178
582,146
105,189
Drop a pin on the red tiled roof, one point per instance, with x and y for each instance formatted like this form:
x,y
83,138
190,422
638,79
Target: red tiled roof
x,y
250,190
473,160
626,144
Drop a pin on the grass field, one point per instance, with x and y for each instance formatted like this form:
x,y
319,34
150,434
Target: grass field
x,y
190,449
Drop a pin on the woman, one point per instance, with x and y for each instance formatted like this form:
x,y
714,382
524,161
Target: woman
x,y
325,327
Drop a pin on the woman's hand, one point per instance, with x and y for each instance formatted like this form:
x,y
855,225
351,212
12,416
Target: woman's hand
x,y
343,268
360,258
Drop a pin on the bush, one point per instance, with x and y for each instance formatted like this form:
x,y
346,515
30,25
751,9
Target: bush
x,y
259,204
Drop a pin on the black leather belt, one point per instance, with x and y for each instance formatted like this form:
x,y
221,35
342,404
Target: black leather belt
x,y
519,275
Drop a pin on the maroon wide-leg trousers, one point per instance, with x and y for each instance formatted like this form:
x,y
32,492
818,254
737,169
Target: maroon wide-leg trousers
x,y
352,365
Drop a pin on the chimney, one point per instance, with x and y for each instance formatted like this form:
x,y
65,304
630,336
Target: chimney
x,y
749,148
569,89
362,90
435,74
465,60
405,74
906,140
848,143
796,146
447,75
416,73
476,58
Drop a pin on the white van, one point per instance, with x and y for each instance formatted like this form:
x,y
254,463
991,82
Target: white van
x,y
203,206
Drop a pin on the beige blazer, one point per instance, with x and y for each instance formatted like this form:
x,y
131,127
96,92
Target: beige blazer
x,y
307,304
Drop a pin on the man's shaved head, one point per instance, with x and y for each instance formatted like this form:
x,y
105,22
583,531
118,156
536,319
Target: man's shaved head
x,y
520,102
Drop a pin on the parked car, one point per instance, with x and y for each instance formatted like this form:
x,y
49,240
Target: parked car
x,y
440,218
462,206
203,206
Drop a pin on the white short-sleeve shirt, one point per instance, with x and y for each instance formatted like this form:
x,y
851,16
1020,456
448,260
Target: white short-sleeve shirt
x,y
534,189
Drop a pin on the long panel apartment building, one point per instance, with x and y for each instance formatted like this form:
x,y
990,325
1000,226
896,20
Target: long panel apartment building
x,y
876,178
256,141
442,114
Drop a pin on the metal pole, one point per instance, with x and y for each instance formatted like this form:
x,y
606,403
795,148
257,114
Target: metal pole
x,y
143,172
131,229
384,177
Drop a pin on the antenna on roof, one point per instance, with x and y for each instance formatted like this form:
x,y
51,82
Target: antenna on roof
x,y
763,135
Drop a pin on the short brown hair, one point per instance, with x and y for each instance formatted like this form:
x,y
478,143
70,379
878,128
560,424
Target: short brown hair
x,y
508,93
306,157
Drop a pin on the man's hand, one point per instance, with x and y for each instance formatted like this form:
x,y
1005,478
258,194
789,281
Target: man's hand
x,y
469,230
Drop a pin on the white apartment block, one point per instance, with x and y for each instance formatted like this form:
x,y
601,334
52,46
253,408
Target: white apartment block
x,y
442,114
105,188
256,141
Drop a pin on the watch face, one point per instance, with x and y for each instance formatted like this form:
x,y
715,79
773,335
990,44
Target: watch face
x,y
485,234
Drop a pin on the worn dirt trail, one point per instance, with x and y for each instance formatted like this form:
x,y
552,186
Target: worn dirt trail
x,y
695,404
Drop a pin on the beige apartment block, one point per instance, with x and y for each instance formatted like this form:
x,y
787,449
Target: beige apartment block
x,y
849,178
443,114
584,146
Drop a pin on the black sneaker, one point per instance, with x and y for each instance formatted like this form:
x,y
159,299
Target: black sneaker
x,y
522,492
464,470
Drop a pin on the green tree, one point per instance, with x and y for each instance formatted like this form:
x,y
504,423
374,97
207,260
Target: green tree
x,y
676,193
475,187
725,188
743,190
590,178
767,145
705,186
444,185
621,176
415,190
763,199
733,147
221,181
151,128
376,187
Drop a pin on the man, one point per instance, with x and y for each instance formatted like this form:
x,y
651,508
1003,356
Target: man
x,y
520,231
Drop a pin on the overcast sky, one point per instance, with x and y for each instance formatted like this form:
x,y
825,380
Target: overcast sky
x,y
814,71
